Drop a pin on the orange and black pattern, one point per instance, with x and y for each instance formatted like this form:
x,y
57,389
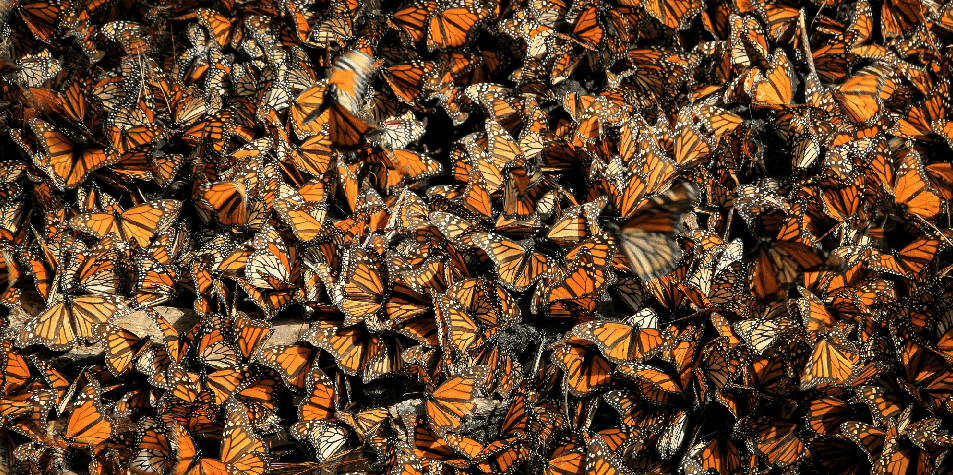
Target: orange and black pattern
x,y
513,236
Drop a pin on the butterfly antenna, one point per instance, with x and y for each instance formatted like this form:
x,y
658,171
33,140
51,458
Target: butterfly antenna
x,y
941,233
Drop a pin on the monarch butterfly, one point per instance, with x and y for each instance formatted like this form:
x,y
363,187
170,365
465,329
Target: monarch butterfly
x,y
291,362
95,270
241,449
674,14
401,130
273,265
404,166
199,415
328,438
218,25
359,290
230,203
909,261
410,214
473,449
458,329
653,383
410,291
588,29
471,200
71,321
336,27
171,248
227,382
489,302
778,263
898,17
691,147
175,345
155,282
123,347
62,389
431,447
209,131
883,405
250,334
577,223
453,100
137,224
773,89
674,434
358,351
618,342
518,268
873,441
14,368
844,202
130,129
912,191
33,70
581,279
40,18
646,238
506,374
601,459
319,405
452,226
502,456
585,370
67,166
153,448
763,332
453,26
775,439
452,401
496,99
566,459
70,102
412,19
720,454
188,106
341,96
826,414
88,424
862,95
407,79
721,364
423,361
183,448
213,344
365,423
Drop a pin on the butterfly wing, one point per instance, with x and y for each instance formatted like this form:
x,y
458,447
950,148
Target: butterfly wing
x,y
647,239
143,222
88,424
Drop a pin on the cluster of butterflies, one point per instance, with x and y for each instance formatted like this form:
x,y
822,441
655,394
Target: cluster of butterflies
x,y
528,236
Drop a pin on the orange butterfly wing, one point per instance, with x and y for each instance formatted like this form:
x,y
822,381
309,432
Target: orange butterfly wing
x,y
453,400
88,424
